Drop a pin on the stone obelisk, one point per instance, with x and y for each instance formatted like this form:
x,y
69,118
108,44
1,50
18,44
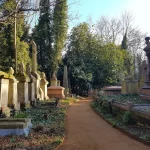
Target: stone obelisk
x,y
65,80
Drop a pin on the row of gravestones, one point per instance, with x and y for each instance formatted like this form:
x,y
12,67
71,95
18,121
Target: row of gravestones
x,y
21,90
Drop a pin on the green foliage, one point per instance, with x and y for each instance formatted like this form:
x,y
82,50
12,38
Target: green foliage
x,y
7,57
42,34
124,42
127,118
89,62
21,115
59,29
6,75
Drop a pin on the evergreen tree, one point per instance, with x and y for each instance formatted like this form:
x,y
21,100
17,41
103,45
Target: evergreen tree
x,y
7,53
60,29
124,42
43,37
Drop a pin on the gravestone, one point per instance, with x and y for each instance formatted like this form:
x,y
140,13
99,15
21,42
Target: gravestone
x,y
65,80
146,87
13,92
55,91
31,84
34,70
43,85
4,86
129,86
23,79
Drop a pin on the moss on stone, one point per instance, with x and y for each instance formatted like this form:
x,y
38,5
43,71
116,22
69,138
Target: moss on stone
x,y
6,75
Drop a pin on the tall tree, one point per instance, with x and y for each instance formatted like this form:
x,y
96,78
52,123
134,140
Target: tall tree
x,y
124,42
43,38
60,29
7,36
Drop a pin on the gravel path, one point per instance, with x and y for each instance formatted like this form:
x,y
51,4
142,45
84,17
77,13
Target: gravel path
x,y
87,131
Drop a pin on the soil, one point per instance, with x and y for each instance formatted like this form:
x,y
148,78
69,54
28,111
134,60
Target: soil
x,y
85,130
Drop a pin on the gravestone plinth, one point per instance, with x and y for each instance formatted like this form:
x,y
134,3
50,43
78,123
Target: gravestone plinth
x,y
145,91
22,87
31,84
36,84
4,86
129,86
43,85
55,91
13,94
23,93
31,91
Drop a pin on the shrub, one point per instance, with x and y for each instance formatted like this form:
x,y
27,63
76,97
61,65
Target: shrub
x,y
127,118
106,107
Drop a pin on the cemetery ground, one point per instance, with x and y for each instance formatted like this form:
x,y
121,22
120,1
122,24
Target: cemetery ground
x,y
123,120
48,127
88,131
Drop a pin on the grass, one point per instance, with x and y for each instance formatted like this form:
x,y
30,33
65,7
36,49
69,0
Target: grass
x,y
47,133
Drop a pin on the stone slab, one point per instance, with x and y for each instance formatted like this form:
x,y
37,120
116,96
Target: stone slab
x,y
8,132
15,126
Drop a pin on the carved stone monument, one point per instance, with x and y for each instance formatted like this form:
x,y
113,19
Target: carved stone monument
x,y
23,86
145,92
34,70
55,91
43,86
13,91
144,73
4,86
31,84
65,80
129,86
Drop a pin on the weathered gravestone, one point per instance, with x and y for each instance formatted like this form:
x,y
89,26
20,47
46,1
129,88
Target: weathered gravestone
x,y
34,70
145,92
13,91
4,86
65,81
43,85
55,91
31,84
23,79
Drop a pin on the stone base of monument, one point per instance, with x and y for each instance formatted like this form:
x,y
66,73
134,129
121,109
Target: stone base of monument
x,y
145,91
55,92
15,126
112,90
129,87
6,111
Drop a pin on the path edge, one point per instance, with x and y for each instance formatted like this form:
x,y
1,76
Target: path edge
x,y
65,120
123,131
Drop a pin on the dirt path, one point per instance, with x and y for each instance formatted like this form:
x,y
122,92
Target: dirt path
x,y
87,131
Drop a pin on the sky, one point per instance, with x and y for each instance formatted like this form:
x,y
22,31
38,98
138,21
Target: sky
x,y
140,9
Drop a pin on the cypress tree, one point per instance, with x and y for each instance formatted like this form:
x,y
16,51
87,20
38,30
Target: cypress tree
x,y
60,29
43,37
124,42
